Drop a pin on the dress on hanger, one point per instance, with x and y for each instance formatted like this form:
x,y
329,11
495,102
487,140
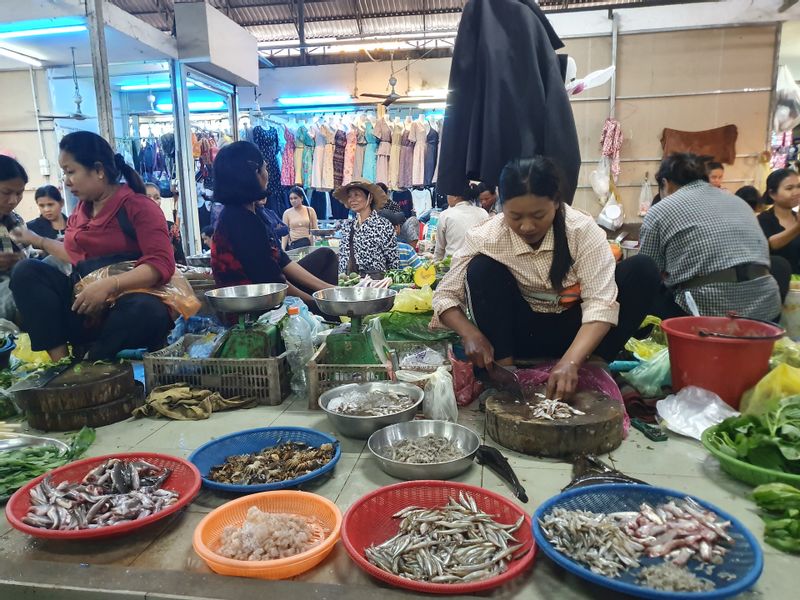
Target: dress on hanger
x,y
438,156
340,143
418,135
361,146
431,155
406,160
308,154
384,133
394,156
287,166
267,142
329,135
320,143
350,156
299,148
370,154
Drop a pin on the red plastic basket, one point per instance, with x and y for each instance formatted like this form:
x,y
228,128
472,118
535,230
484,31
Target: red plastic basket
x,y
185,479
369,521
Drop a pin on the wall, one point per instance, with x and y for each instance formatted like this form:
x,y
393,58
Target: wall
x,y
18,132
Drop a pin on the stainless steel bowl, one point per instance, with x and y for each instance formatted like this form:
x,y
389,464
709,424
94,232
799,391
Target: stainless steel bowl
x,y
26,441
354,301
247,298
381,441
363,427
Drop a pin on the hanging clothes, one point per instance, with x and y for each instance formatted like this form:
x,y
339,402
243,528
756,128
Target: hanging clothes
x,y
361,146
438,158
406,159
350,155
287,166
422,200
419,135
394,156
370,153
308,153
611,144
267,142
339,146
320,141
327,157
507,97
431,155
319,202
384,133
299,148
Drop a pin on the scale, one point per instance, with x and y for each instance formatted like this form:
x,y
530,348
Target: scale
x,y
353,347
247,338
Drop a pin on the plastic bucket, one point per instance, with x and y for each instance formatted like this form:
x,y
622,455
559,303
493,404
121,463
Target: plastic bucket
x,y
725,355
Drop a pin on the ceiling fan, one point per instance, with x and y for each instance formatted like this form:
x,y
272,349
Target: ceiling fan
x,y
391,97
78,114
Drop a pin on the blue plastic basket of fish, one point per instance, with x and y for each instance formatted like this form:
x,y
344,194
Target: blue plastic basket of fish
x,y
648,542
265,459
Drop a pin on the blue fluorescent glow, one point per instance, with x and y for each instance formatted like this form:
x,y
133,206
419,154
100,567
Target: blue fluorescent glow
x,y
39,24
25,33
315,100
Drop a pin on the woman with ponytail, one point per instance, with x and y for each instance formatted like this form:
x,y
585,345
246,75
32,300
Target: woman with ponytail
x,y
539,280
114,222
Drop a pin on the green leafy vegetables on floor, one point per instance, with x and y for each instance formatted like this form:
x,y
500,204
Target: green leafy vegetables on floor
x,y
18,467
781,503
771,440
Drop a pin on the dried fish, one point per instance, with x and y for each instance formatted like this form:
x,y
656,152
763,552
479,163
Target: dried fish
x,y
115,492
276,463
593,539
428,449
455,543
670,577
552,409
375,403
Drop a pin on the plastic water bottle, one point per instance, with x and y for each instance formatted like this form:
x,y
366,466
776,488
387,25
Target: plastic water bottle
x,y
297,337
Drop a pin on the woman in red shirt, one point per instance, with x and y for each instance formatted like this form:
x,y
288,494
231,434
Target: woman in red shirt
x,y
113,222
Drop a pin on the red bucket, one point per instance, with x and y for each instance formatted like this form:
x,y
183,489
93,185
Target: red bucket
x,y
725,355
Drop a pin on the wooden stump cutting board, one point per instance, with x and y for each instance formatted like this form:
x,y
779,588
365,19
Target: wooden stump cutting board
x,y
599,431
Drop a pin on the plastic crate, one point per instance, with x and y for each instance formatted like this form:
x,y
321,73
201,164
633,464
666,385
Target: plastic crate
x,y
323,376
266,379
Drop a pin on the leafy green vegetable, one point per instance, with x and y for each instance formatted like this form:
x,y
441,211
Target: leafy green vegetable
x,y
781,502
17,467
771,440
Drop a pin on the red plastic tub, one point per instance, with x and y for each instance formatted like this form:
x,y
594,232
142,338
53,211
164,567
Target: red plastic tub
x,y
725,355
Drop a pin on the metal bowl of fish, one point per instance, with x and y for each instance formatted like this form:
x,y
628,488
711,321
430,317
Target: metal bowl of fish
x,y
424,449
358,410
247,298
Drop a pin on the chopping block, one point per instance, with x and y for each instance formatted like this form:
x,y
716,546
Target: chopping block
x,y
85,394
598,431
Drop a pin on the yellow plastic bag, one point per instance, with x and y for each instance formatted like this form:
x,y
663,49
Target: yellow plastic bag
x,y
24,353
781,382
414,301
178,295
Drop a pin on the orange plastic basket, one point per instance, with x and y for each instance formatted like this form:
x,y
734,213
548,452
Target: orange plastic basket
x,y
209,531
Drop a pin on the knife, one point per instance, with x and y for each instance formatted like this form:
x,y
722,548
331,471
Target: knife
x,y
493,458
506,380
39,378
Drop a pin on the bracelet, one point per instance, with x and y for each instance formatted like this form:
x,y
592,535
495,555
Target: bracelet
x,y
116,280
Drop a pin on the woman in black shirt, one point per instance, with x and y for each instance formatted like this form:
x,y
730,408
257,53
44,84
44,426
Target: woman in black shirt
x,y
780,223
51,222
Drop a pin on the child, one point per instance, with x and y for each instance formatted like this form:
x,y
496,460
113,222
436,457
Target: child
x,y
408,256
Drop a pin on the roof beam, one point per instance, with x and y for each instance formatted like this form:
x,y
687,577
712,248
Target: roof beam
x,y
356,4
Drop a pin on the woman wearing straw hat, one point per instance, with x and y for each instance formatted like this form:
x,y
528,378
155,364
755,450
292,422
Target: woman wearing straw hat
x,y
369,245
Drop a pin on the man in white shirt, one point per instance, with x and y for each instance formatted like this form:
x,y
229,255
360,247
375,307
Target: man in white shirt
x,y
454,223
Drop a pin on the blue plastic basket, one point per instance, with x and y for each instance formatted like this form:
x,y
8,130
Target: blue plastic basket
x,y
744,559
254,440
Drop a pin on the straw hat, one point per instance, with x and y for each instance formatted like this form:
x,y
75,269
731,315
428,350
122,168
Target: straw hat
x,y
378,195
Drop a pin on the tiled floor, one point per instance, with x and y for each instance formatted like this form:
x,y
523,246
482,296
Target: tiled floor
x,y
680,464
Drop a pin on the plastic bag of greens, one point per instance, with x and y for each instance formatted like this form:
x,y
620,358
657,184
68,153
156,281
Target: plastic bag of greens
x,y
647,348
785,351
764,397
414,301
649,377
401,326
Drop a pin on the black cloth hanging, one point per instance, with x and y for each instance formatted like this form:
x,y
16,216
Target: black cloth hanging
x,y
507,98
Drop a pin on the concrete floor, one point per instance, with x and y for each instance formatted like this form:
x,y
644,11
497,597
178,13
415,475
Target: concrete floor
x,y
159,562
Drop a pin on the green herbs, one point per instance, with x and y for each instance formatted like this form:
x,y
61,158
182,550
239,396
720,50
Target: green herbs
x,y
401,275
18,467
781,503
771,440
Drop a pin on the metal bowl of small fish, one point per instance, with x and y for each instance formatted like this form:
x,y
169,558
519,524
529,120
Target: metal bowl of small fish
x,y
103,496
354,301
424,449
360,409
247,298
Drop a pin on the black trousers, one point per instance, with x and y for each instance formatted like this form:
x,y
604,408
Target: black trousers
x,y
44,298
514,329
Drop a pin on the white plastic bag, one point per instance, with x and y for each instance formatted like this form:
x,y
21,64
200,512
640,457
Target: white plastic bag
x,y
787,101
693,410
645,197
600,179
611,217
439,402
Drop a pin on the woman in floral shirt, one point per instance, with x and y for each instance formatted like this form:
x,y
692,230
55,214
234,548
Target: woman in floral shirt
x,y
369,245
